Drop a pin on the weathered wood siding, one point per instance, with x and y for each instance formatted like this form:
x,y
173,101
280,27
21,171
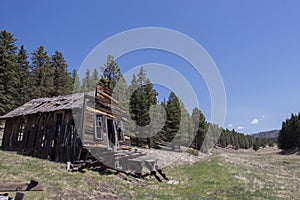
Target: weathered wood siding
x,y
46,135
45,127
2,126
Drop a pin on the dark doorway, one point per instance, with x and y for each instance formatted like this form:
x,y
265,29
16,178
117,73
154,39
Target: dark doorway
x,y
111,132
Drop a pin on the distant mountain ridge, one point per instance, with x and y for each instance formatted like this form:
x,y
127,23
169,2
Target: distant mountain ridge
x,y
266,134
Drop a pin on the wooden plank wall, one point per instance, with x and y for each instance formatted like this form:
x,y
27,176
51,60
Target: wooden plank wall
x,y
41,138
6,140
44,138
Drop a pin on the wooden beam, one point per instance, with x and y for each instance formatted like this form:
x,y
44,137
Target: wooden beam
x,y
98,111
32,186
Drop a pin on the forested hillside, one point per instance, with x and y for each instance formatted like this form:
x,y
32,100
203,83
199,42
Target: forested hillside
x,y
266,134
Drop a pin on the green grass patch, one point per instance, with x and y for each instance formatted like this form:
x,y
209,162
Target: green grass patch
x,y
212,179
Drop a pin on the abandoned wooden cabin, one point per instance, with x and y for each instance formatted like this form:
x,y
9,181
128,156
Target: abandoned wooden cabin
x,y
63,128
84,129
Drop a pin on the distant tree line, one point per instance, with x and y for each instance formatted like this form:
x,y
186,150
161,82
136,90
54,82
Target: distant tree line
x,y
241,141
289,135
267,134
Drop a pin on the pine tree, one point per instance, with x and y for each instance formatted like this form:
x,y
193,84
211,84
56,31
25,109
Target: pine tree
x,y
110,73
87,84
62,80
222,140
159,122
184,126
247,145
42,74
142,98
289,135
95,78
133,109
75,82
210,137
173,118
200,128
255,147
133,104
161,134
150,100
8,73
142,77
25,78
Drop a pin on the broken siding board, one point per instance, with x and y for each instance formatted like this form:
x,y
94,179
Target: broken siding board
x,y
32,142
29,132
105,94
67,142
62,144
89,127
39,142
59,146
13,137
76,144
7,134
49,136
99,111
2,126
82,125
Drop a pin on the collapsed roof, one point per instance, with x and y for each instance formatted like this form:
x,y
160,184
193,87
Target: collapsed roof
x,y
50,104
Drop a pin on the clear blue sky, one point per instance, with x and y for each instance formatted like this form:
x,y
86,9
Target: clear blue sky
x,y
255,44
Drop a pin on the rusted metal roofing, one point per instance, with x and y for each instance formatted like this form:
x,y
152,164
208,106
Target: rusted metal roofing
x,y
49,105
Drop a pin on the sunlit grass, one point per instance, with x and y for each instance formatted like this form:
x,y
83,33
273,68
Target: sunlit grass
x,y
254,177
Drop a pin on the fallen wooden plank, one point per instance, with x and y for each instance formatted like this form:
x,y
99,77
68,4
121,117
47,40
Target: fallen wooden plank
x,y
32,186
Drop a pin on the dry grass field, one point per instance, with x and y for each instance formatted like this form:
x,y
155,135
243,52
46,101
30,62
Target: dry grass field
x,y
225,174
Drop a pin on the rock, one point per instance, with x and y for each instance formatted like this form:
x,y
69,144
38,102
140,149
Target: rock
x,y
172,182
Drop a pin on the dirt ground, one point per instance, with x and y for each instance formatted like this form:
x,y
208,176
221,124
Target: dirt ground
x,y
167,158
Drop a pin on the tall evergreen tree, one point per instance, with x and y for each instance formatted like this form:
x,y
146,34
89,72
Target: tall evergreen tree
x,y
95,78
200,128
87,84
142,98
42,74
183,134
151,100
133,104
25,79
173,118
211,137
142,76
75,82
133,108
110,73
62,80
289,135
8,73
